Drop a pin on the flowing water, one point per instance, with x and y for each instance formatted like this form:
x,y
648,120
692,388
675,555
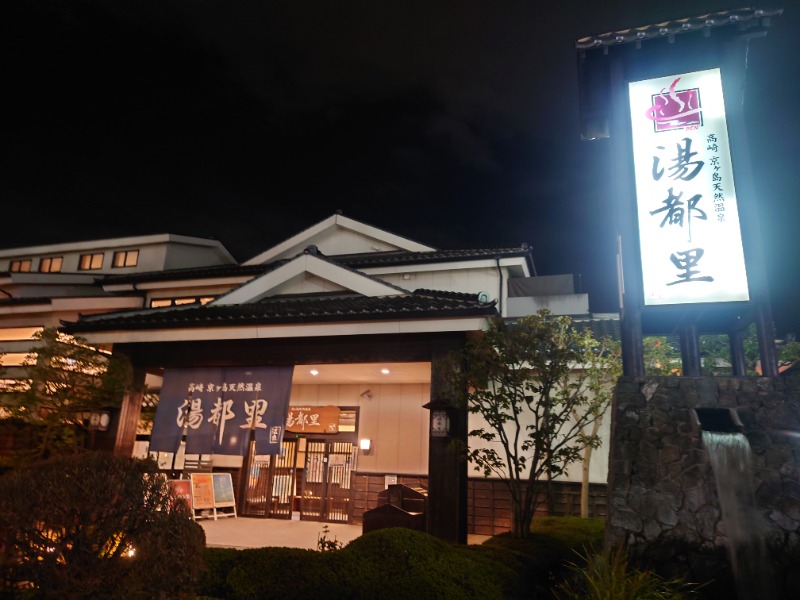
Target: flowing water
x,y
730,457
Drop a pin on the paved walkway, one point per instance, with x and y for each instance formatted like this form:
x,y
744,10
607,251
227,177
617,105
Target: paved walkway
x,y
248,532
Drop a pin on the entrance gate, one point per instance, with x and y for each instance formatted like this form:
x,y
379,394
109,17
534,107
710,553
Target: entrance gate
x,y
325,491
321,484
270,483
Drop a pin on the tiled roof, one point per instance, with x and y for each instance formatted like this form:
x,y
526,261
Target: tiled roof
x,y
411,258
742,17
352,261
219,271
274,311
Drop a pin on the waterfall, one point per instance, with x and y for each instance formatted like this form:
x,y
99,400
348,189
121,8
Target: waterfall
x,y
730,457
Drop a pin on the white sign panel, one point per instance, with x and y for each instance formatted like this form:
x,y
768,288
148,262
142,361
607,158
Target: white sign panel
x,y
690,238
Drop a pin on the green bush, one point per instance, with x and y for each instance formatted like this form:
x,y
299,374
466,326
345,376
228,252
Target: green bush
x,y
217,565
404,563
389,564
552,543
607,575
69,524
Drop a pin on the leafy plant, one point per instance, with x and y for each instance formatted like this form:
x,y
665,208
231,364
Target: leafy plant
x,y
65,381
607,575
539,388
96,525
325,544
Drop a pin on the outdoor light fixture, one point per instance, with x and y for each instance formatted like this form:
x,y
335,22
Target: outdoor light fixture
x,y
440,417
366,445
314,372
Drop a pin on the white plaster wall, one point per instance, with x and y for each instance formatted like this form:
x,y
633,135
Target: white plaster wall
x,y
568,304
341,241
306,284
393,419
598,465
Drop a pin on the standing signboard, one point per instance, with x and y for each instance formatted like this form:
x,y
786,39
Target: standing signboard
x,y
210,493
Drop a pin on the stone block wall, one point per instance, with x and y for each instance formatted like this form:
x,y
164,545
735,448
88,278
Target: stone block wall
x,y
662,495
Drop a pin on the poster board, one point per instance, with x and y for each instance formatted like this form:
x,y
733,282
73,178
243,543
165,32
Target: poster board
x,y
182,489
211,492
202,491
223,490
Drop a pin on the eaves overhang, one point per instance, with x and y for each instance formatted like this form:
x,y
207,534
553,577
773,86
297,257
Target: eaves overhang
x,y
289,330
422,305
741,18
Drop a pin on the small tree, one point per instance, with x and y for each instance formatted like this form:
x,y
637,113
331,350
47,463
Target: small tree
x,y
96,525
539,385
65,380
660,357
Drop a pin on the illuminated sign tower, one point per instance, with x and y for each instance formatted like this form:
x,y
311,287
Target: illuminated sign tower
x,y
690,258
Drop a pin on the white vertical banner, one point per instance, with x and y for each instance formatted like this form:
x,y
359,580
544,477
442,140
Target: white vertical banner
x,y
689,231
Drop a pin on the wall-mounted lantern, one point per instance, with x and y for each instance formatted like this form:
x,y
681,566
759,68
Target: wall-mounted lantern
x,y
365,444
97,420
440,417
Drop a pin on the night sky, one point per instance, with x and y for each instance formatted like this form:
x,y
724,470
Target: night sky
x,y
454,123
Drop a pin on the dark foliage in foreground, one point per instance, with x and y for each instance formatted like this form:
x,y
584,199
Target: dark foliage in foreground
x,y
68,526
400,563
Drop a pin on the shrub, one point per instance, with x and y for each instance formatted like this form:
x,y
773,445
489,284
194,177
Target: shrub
x,y
218,563
552,543
608,575
405,563
389,564
70,522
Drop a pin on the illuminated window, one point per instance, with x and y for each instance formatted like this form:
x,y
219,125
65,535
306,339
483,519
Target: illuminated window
x,y
50,265
14,359
125,258
13,384
162,302
21,266
10,334
90,262
347,420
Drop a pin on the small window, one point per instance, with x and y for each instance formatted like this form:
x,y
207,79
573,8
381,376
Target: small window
x,y
15,359
125,258
162,302
50,265
8,334
21,266
90,262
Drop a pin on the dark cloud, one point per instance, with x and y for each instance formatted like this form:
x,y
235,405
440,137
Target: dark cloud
x,y
451,122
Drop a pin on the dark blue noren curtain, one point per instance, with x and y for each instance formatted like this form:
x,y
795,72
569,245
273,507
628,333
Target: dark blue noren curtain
x,y
276,391
180,403
219,408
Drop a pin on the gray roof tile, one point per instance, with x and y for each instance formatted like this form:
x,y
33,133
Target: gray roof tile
x,y
281,310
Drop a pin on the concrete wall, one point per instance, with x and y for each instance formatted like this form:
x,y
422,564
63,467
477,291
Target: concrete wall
x,y
663,502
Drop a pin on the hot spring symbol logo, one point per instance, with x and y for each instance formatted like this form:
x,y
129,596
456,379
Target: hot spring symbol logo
x,y
675,109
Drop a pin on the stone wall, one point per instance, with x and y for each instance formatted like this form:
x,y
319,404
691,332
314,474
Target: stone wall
x,y
663,503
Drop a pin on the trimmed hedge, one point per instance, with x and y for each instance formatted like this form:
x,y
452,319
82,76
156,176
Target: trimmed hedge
x,y
399,563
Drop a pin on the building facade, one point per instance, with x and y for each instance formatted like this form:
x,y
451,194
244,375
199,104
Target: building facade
x,y
363,318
